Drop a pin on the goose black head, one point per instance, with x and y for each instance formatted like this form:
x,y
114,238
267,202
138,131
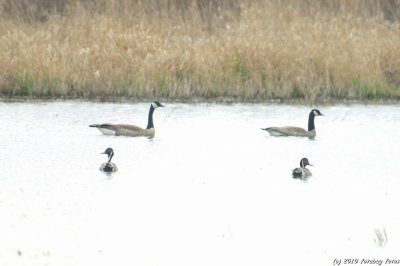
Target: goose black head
x,y
109,152
304,162
316,112
157,104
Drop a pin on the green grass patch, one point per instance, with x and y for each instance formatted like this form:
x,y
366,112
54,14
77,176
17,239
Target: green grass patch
x,y
22,83
240,72
49,85
372,91
163,85
296,92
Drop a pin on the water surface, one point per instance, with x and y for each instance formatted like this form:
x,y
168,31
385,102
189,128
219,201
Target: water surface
x,y
210,188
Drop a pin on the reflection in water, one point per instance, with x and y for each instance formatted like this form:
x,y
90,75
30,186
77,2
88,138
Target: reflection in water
x,y
208,172
109,175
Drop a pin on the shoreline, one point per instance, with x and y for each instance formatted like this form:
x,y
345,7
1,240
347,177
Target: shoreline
x,y
200,100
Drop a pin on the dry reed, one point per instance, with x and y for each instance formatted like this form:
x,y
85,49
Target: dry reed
x,y
253,50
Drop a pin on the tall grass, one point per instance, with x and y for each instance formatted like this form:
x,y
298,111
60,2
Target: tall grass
x,y
185,49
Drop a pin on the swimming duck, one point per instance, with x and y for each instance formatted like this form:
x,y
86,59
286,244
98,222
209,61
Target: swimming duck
x,y
130,130
296,131
302,171
108,166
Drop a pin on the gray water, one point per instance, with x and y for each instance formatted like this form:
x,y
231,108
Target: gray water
x,y
210,188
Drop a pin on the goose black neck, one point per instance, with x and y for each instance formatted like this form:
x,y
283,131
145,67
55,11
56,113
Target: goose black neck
x,y
150,119
311,125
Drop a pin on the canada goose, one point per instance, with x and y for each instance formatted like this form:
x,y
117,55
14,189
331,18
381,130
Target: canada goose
x,y
296,131
302,171
130,130
108,166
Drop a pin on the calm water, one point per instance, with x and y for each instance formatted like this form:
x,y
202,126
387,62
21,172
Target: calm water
x,y
210,189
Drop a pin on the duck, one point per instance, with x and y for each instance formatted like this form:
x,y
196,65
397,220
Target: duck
x,y
108,166
130,130
296,131
302,171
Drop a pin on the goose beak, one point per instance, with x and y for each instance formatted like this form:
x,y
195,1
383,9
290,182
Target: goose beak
x,y
310,164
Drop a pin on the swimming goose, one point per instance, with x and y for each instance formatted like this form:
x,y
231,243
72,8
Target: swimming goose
x,y
108,166
302,171
130,130
296,131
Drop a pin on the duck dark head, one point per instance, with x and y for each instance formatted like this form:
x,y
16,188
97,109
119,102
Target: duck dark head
x,y
109,152
304,162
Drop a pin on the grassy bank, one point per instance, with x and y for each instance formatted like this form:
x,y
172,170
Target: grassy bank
x,y
249,50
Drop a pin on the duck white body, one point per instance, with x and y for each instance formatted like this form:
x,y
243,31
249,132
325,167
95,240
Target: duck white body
x,y
108,167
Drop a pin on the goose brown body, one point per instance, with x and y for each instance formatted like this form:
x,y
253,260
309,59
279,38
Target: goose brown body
x,y
126,130
291,131
296,131
130,130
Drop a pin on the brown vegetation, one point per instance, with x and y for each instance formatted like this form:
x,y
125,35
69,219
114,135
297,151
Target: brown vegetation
x,y
180,49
